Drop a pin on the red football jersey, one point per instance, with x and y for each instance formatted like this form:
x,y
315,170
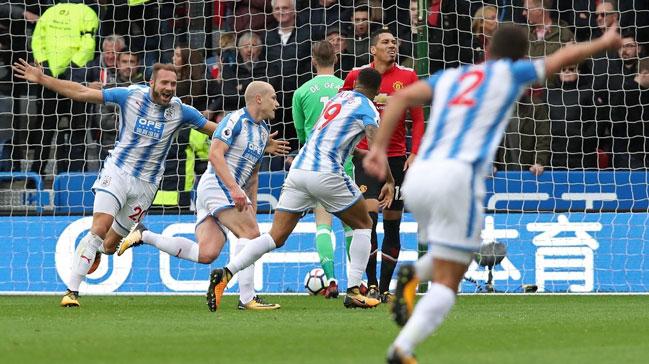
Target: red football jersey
x,y
393,80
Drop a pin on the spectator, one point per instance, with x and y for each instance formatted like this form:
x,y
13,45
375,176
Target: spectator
x,y
483,27
322,14
573,126
361,30
449,34
345,60
253,15
408,37
606,16
15,23
64,37
237,75
192,87
129,72
287,53
627,100
102,70
579,15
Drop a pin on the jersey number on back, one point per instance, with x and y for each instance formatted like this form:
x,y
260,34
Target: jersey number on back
x,y
463,98
329,113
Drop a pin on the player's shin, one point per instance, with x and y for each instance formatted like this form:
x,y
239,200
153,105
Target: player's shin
x,y
83,258
427,316
246,276
424,268
349,234
325,250
389,252
371,264
176,246
359,252
253,250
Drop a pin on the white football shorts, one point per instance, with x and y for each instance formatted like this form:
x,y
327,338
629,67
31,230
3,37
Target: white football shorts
x,y
303,189
446,199
122,196
212,197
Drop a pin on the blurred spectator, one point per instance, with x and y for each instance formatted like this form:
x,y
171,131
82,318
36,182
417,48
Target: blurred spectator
x,y
627,100
253,15
192,86
129,72
527,138
408,36
64,37
320,15
345,60
361,28
483,27
237,75
15,22
449,34
606,16
287,53
573,126
102,70
579,15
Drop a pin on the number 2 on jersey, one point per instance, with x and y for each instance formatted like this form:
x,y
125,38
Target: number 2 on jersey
x,y
329,113
462,99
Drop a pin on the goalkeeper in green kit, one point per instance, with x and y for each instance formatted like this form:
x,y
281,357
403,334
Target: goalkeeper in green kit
x,y
308,102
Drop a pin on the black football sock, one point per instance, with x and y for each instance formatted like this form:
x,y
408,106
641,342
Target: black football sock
x,y
389,252
371,263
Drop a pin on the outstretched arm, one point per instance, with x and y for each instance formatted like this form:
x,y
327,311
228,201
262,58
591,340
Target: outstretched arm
x,y
70,89
577,53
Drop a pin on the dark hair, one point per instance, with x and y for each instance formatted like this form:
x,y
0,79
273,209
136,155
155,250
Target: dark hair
x,y
628,33
509,41
162,66
369,79
377,34
323,53
362,7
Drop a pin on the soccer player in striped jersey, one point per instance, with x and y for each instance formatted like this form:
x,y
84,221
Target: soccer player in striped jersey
x,y
444,188
308,102
227,192
128,181
317,176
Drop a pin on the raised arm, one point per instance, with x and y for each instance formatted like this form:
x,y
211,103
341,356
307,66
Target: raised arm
x,y
70,89
577,53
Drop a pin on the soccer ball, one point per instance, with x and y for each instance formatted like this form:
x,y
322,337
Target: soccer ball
x,y
315,281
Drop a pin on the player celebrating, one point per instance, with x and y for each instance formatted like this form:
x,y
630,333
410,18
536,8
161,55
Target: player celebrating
x,y
473,106
221,203
128,181
308,102
394,77
317,176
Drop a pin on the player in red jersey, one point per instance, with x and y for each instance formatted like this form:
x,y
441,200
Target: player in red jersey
x,y
394,77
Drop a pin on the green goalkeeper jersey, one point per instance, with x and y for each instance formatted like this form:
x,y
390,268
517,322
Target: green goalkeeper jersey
x,y
309,100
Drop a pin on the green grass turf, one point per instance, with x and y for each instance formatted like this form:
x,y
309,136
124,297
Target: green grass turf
x,y
480,329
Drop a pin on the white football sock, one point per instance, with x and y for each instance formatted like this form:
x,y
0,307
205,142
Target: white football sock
x,y
359,254
246,276
176,246
84,256
427,316
253,250
424,268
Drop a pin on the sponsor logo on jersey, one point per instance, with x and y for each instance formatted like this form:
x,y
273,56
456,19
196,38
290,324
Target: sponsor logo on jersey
x,y
149,128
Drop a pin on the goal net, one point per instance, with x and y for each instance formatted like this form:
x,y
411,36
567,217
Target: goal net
x,y
568,197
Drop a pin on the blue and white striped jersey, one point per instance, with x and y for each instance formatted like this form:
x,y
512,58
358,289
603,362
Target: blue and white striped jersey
x,y
340,127
471,108
247,141
146,130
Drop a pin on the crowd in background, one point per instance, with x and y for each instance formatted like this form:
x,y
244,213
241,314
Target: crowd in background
x,y
589,116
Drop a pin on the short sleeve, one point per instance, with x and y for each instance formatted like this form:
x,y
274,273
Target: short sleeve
x,y
367,114
433,79
527,72
116,95
349,81
228,129
193,117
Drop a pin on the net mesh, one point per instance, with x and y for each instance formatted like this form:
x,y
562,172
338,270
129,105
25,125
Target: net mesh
x,y
568,199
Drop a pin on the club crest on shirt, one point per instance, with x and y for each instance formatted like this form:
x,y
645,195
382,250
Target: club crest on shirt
x,y
398,85
170,112
362,188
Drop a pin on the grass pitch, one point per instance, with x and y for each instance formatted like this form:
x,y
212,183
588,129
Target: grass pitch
x,y
480,329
